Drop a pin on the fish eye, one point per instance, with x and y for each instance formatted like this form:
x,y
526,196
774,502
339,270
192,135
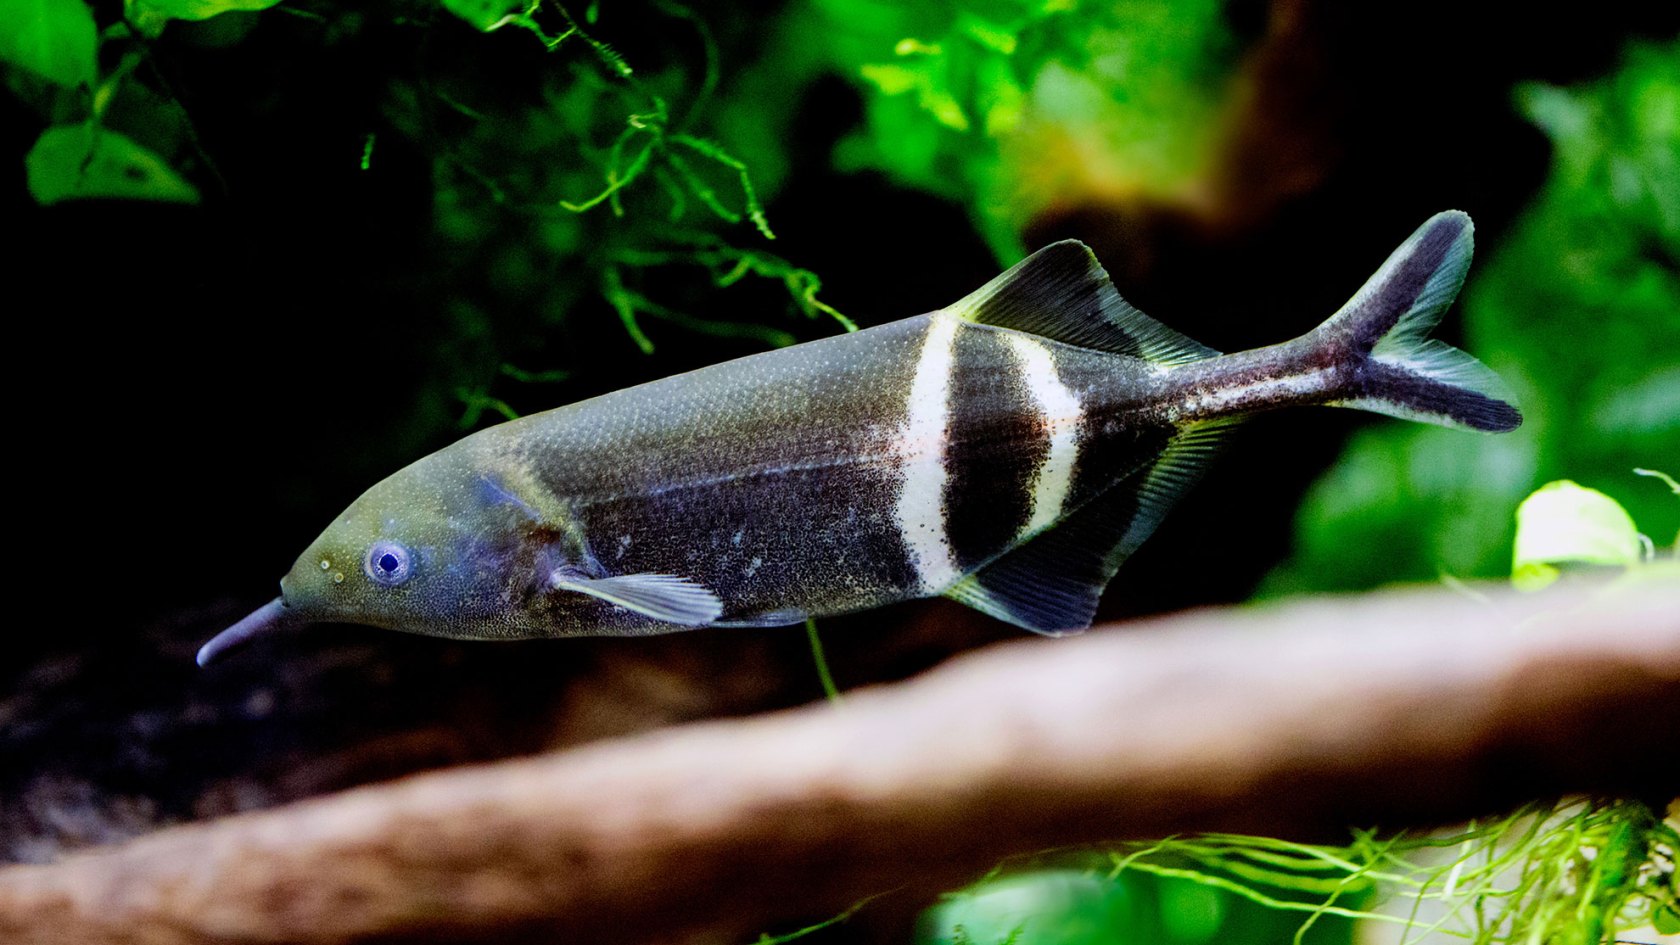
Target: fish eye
x,y
388,563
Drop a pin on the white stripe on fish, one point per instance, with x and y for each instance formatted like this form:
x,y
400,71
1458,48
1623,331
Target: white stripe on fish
x,y
1063,415
920,445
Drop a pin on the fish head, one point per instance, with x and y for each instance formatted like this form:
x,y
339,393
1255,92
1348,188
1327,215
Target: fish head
x,y
434,549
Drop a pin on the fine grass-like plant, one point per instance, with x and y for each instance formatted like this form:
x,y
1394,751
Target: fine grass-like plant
x,y
1580,872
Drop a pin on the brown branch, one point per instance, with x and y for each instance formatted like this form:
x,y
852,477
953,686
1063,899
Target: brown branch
x,y
1297,721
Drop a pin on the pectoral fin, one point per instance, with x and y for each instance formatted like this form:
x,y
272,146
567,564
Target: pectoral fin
x,y
663,597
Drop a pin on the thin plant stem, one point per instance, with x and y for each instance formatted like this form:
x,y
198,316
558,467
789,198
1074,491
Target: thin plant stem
x,y
821,661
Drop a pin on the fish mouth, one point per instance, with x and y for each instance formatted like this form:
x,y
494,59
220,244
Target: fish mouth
x,y
271,617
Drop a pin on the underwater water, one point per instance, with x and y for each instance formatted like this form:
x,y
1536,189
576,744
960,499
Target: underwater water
x,y
261,259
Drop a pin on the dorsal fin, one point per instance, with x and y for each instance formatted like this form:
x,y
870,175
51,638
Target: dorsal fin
x,y
1062,293
1050,583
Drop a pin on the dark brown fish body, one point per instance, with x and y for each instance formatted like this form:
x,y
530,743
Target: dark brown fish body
x,y
1008,452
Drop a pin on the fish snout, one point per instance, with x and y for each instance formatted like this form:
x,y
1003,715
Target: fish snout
x,y
271,617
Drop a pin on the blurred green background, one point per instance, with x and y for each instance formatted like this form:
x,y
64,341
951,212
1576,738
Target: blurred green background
x,y
264,254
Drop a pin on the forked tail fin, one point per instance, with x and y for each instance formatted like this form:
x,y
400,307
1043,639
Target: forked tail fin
x,y
1400,372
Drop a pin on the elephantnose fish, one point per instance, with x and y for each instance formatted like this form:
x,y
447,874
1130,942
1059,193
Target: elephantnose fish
x,y
1008,452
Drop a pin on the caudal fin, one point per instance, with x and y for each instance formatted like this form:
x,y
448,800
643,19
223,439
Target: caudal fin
x,y
1401,372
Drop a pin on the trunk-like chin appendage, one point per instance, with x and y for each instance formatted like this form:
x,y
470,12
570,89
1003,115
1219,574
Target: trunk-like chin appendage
x,y
269,617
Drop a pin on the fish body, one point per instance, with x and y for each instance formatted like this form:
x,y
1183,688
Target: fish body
x,y
1008,451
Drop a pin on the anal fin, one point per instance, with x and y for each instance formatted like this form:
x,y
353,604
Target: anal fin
x,y
773,618
667,598
1051,583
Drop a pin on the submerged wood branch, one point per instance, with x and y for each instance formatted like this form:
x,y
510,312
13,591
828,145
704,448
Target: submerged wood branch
x,y
1297,721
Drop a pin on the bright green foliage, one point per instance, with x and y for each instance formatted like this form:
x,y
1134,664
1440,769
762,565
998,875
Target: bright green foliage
x,y
1010,106
1576,874
83,155
1577,307
1047,907
598,185
151,16
651,144
1089,901
193,9
55,39
1006,106
485,14
71,162
595,192
1563,523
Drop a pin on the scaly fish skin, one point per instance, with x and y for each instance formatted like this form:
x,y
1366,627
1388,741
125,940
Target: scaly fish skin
x,y
1008,452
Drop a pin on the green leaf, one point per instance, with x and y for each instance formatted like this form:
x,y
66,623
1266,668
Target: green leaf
x,y
76,162
944,107
990,35
1563,523
1666,921
1065,906
53,38
152,14
891,79
484,15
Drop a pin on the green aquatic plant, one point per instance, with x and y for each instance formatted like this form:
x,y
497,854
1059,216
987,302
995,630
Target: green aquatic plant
x,y
1565,525
642,164
1580,872
725,266
1005,108
1078,898
1036,102
52,40
651,142
99,143
1576,873
640,216
821,661
69,162
566,180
